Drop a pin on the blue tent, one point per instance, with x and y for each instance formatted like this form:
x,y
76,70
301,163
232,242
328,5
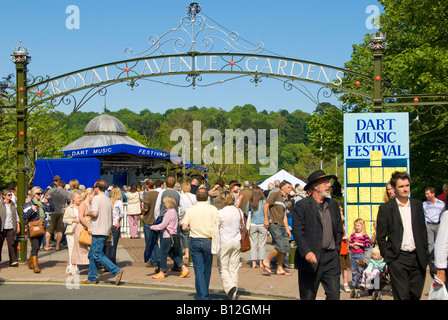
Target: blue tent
x,y
86,171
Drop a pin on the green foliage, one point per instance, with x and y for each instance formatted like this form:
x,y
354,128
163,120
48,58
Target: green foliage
x,y
46,136
415,62
51,130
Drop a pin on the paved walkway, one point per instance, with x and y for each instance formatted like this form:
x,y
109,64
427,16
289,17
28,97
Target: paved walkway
x,y
130,258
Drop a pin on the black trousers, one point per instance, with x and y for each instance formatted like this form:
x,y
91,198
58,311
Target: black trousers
x,y
9,235
35,244
407,277
328,273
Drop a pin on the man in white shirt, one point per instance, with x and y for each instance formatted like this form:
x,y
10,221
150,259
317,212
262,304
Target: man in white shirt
x,y
101,213
200,220
433,208
403,240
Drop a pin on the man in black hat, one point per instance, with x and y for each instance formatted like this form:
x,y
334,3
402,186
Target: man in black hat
x,y
317,230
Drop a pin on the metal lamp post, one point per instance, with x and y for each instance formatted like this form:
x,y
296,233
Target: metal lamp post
x,y
21,59
377,44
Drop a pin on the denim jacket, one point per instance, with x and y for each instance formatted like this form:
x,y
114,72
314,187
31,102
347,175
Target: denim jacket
x,y
258,215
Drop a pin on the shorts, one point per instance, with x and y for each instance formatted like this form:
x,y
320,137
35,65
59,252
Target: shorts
x,y
280,238
55,223
344,260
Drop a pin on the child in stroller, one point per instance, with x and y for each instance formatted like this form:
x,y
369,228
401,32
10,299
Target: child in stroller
x,y
374,276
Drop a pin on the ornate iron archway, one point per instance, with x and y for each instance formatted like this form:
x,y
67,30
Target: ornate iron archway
x,y
191,56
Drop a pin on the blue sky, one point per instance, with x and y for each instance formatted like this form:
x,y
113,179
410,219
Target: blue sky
x,y
322,31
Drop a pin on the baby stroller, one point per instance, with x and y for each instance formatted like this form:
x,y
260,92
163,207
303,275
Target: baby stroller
x,y
376,287
384,285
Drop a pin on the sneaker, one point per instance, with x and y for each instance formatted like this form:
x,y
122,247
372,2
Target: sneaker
x,y
346,288
160,275
87,281
231,293
118,277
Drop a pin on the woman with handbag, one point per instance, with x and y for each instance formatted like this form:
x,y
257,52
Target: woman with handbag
x,y
230,222
169,244
34,212
80,251
133,211
71,220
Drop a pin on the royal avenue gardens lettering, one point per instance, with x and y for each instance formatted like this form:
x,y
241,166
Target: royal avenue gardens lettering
x,y
183,64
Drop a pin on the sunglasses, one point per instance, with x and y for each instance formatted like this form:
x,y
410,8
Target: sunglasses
x,y
39,193
8,194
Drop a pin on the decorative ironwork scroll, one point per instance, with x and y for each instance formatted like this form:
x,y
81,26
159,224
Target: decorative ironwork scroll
x,y
194,34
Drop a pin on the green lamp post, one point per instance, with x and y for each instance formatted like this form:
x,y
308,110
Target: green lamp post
x,y
377,44
21,59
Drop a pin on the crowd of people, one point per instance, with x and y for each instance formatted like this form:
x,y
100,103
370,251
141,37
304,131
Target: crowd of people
x,y
189,220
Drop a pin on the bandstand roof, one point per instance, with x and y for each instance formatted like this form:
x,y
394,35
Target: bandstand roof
x,y
105,136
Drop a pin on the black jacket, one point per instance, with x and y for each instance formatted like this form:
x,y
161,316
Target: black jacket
x,y
307,230
390,231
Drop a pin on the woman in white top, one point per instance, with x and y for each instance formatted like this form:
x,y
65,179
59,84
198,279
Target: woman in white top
x,y
441,246
187,199
116,197
230,236
71,220
133,211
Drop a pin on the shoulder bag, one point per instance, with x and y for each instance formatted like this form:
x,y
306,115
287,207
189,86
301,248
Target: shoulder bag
x,y
85,237
245,241
174,239
36,228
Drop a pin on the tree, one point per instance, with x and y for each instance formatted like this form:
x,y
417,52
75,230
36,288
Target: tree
x,y
415,62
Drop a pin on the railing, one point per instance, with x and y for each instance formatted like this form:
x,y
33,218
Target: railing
x,y
125,232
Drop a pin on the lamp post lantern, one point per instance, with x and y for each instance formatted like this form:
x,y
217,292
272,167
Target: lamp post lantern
x,y
21,59
377,44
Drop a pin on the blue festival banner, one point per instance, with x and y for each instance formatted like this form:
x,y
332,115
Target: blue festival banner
x,y
129,149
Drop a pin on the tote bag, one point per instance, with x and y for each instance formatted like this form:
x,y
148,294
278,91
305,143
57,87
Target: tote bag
x,y
245,241
85,237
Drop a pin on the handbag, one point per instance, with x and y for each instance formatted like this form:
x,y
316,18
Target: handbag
x,y
85,237
245,241
174,239
36,228
175,243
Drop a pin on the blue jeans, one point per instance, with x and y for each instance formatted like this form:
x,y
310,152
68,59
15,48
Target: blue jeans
x,y
201,253
167,251
97,256
110,250
154,257
355,268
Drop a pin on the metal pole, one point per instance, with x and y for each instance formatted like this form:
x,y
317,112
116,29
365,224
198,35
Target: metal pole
x,y
377,45
21,59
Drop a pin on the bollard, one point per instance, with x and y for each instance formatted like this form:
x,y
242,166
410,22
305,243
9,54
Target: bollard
x,y
292,254
190,260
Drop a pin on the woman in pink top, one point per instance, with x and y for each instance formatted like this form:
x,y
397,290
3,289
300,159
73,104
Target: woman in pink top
x,y
169,227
